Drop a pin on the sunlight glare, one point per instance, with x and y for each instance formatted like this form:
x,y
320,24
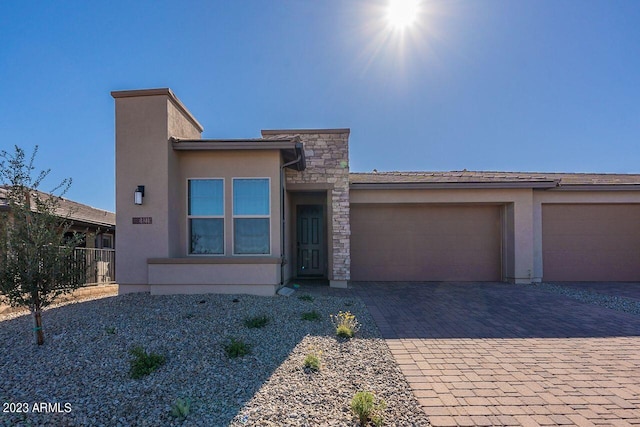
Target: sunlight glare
x,y
402,13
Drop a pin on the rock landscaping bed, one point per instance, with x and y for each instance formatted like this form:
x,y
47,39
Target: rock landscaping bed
x,y
190,345
613,302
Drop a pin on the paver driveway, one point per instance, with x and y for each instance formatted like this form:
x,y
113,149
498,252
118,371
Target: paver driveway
x,y
500,354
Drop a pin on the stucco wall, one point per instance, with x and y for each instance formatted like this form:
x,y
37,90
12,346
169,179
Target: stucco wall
x,y
144,122
226,165
225,274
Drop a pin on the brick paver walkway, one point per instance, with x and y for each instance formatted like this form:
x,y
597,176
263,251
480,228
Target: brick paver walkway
x,y
499,354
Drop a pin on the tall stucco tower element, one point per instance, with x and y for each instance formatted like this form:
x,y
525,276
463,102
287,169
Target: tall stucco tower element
x,y
145,121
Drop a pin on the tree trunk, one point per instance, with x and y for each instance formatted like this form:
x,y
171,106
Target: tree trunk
x,y
37,315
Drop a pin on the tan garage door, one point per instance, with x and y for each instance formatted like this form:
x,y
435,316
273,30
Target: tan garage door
x,y
425,242
591,242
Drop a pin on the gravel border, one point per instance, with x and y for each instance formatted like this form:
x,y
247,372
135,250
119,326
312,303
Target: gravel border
x,y
614,302
85,363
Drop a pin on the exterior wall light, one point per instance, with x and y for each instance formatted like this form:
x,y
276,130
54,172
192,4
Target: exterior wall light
x,y
138,195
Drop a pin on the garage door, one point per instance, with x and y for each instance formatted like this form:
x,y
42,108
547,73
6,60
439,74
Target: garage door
x,y
425,242
591,242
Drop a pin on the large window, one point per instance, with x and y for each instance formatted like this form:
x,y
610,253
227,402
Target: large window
x,y
251,216
206,216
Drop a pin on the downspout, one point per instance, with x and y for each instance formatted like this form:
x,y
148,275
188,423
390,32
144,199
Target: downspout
x,y
283,261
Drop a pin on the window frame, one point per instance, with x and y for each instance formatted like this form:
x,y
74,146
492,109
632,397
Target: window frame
x,y
234,216
109,237
190,217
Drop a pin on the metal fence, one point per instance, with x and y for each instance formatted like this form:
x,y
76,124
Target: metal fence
x,y
100,265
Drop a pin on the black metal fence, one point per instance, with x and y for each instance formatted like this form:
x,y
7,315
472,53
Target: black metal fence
x,y
99,265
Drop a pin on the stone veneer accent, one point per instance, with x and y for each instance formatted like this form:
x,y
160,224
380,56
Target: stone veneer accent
x,y
327,157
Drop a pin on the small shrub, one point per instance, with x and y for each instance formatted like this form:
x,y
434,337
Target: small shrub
x,y
111,330
144,363
181,408
236,348
365,406
344,331
307,298
312,361
311,315
346,324
256,322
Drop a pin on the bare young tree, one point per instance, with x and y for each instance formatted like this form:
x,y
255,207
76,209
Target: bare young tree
x,y
37,262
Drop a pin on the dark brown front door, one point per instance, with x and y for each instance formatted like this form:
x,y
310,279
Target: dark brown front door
x,y
310,240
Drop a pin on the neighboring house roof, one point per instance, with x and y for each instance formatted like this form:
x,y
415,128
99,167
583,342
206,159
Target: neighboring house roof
x,y
77,212
481,179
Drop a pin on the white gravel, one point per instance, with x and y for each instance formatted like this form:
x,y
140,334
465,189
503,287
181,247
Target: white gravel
x,y
84,366
613,302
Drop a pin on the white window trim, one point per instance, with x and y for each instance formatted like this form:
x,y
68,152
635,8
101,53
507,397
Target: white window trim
x,y
233,217
224,225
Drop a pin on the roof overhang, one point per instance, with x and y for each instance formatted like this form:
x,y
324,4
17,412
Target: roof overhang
x,y
449,185
598,187
291,148
84,223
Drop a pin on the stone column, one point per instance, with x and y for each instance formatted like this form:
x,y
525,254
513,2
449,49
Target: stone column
x,y
327,158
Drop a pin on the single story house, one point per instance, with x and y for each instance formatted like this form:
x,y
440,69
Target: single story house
x,y
249,215
98,227
98,223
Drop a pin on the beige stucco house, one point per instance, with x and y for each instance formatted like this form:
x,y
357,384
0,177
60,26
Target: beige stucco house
x,y
250,215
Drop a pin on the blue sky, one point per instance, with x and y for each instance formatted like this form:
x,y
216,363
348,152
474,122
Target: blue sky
x,y
540,85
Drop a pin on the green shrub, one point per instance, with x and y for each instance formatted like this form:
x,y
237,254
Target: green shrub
x,y
236,348
307,298
256,322
181,408
344,331
144,363
311,315
312,361
111,330
365,407
346,324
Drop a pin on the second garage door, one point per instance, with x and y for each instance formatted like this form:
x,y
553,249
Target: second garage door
x,y
426,242
590,242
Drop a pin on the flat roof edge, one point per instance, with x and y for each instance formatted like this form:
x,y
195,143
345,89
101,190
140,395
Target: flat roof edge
x,y
116,94
233,145
304,131
131,93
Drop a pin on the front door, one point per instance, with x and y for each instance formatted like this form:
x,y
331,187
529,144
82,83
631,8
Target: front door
x,y
310,240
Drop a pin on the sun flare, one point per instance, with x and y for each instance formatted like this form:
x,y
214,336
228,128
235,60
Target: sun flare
x,y
402,13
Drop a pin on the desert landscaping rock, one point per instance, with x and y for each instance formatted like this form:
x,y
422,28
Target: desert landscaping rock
x,y
85,363
613,302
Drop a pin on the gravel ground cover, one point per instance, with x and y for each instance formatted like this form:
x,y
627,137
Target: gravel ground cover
x,y
613,302
84,365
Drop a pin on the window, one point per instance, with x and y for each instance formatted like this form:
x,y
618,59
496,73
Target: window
x,y
251,216
107,241
206,216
